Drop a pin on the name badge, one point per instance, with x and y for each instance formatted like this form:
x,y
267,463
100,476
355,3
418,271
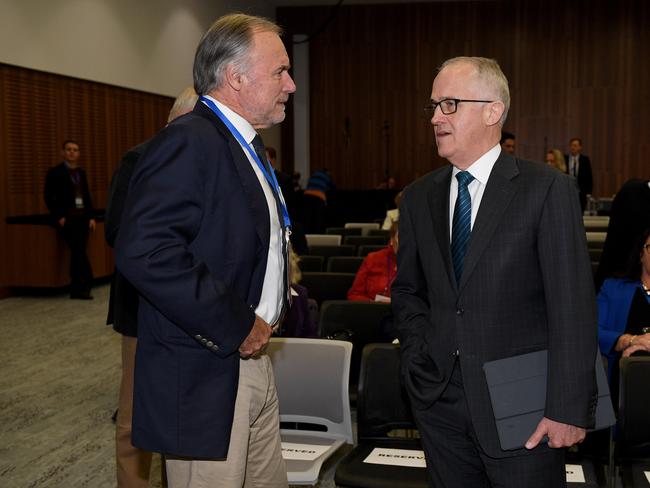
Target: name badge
x,y
79,202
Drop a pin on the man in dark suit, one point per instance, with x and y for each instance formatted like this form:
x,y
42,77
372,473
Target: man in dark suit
x,y
492,264
579,166
68,199
133,464
203,239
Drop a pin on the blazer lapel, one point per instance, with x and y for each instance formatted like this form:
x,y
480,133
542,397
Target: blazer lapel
x,y
438,198
498,193
247,176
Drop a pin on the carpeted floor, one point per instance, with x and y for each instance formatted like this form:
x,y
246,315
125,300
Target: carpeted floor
x,y
59,379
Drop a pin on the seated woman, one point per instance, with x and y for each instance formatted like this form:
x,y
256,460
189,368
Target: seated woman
x,y
298,322
555,158
392,216
624,310
376,274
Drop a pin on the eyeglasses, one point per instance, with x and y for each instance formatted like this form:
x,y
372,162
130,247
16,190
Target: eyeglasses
x,y
448,106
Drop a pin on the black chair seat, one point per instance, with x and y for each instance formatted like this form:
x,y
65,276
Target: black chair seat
x,y
353,472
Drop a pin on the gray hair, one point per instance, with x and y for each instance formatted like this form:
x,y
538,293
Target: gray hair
x,y
226,42
488,71
183,104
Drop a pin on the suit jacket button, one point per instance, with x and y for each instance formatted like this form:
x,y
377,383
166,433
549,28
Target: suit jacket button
x,y
460,311
209,344
197,337
204,340
215,348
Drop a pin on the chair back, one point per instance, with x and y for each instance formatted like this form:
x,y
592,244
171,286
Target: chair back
x,y
323,240
327,251
633,401
344,264
323,286
364,226
311,376
365,240
342,231
366,249
311,263
382,402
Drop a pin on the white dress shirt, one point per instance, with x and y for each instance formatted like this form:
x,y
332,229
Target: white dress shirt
x,y
480,170
270,304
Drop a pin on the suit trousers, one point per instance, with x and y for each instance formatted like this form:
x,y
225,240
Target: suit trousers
x,y
75,235
454,456
133,464
254,453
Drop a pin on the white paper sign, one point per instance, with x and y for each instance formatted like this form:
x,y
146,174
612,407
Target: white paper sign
x,y
647,475
575,474
302,452
397,457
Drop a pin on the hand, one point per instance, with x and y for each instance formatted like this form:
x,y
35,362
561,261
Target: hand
x,y
637,343
257,339
61,221
559,434
92,224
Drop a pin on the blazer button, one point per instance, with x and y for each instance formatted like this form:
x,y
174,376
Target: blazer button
x,y
209,344
197,337
204,340
215,348
460,311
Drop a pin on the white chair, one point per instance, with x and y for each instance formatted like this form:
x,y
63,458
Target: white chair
x,y
323,239
312,377
364,226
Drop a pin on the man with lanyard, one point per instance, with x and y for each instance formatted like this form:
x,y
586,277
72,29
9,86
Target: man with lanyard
x,y
204,239
68,199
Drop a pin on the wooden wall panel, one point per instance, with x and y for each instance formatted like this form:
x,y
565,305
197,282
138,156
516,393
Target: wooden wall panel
x,y
576,68
38,111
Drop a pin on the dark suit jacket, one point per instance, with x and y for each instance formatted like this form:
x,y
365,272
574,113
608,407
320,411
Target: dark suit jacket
x,y
585,179
123,298
59,193
526,286
194,241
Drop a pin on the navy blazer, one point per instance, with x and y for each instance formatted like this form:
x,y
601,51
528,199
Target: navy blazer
x,y
526,286
614,302
194,242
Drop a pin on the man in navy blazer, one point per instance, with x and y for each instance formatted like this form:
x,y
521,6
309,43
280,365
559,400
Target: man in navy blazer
x,y
492,264
579,166
203,239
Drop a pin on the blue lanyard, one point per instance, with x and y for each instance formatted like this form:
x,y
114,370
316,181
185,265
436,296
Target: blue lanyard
x,y
272,180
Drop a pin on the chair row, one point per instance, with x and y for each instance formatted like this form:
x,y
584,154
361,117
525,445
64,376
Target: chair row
x,y
335,264
337,240
344,250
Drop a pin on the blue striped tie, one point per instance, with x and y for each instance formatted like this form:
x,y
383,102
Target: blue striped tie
x,y
461,229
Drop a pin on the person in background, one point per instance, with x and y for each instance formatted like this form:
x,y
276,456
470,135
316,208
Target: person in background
x,y
314,200
624,309
392,215
133,464
555,158
375,276
67,197
508,142
298,322
204,240
579,166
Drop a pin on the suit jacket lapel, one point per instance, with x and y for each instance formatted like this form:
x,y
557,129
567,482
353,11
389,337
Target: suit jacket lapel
x,y
247,176
498,193
439,206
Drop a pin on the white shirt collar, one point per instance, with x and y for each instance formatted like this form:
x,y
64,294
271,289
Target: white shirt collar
x,y
482,167
240,123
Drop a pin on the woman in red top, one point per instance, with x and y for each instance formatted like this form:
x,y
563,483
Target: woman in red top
x,y
374,278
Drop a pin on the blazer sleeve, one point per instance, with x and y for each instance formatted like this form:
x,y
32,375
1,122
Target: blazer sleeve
x,y
163,215
571,393
117,196
409,291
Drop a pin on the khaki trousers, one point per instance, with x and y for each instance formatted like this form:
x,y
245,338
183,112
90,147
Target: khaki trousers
x,y
254,453
133,464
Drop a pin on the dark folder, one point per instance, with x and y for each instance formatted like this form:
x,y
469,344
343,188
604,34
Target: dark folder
x,y
517,388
